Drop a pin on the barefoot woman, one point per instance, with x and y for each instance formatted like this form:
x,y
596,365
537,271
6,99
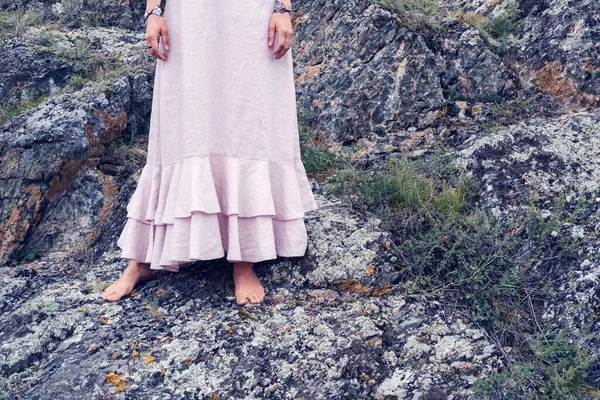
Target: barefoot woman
x,y
223,176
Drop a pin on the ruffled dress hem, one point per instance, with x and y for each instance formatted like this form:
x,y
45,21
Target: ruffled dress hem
x,y
215,205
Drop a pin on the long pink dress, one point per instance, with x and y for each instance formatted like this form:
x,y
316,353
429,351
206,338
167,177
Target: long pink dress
x,y
223,175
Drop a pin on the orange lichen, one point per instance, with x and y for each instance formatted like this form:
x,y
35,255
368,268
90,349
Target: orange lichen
x,y
110,191
551,79
310,71
114,124
22,218
104,320
352,285
370,270
375,342
161,292
60,182
382,290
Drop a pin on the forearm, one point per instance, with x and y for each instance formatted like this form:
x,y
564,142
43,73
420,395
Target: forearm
x,y
150,4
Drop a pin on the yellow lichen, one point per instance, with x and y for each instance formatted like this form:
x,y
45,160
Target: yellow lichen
x,y
148,359
120,382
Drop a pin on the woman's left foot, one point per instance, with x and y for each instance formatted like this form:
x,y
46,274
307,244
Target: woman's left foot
x,y
247,284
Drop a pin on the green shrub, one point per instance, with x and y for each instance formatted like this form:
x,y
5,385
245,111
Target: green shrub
x,y
315,157
556,370
447,244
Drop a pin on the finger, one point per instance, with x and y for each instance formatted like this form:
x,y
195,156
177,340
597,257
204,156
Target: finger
x,y
280,44
156,49
271,33
153,41
285,46
165,37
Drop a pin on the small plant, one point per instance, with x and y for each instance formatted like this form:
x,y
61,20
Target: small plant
x,y
77,81
556,370
416,12
505,22
155,311
88,65
315,157
15,23
17,107
497,28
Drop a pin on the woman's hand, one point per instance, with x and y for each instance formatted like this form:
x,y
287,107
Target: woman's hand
x,y
157,27
282,23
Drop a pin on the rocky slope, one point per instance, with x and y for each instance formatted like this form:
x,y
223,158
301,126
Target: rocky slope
x,y
334,324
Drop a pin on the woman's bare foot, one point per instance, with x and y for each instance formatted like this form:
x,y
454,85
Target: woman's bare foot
x,y
133,274
247,284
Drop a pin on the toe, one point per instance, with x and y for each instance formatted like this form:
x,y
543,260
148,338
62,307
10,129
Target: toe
x,y
242,300
108,292
112,297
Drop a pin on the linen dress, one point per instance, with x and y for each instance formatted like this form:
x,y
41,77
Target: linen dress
x,y
223,175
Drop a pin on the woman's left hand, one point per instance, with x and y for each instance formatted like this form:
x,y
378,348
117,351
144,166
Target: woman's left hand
x,y
282,23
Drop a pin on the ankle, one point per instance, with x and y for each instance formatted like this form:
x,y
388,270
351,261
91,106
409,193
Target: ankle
x,y
136,266
242,266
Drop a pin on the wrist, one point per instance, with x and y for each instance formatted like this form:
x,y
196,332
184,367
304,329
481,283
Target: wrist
x,y
282,6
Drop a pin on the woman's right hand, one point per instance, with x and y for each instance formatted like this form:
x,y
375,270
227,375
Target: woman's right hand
x,y
156,28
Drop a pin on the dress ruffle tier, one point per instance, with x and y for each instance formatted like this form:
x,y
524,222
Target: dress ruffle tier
x,y
209,206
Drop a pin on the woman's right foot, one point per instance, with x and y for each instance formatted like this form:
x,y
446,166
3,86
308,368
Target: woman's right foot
x,y
133,274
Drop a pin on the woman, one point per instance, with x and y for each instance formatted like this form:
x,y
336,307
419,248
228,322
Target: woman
x,y
223,175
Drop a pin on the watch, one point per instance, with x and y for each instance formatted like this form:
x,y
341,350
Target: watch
x,y
280,8
158,10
